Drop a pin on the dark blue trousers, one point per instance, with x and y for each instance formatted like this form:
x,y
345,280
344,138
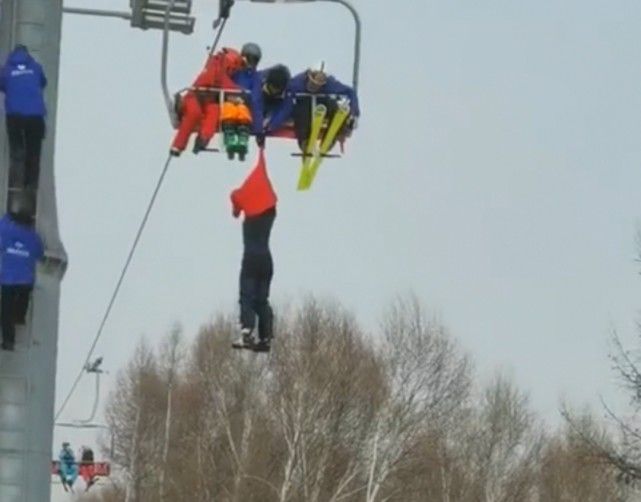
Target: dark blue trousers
x,y
255,280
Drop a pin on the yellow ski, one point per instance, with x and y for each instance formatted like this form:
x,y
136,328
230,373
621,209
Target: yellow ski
x,y
318,117
307,177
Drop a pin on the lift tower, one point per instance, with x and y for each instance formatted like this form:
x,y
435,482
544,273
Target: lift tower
x,y
27,376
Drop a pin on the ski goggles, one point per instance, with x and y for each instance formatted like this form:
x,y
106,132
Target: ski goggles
x,y
272,90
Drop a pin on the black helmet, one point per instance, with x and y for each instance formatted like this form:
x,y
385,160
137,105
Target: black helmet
x,y
277,79
251,53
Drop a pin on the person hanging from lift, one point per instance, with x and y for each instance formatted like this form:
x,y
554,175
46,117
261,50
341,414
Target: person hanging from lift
x,y
87,468
298,103
199,108
20,249
271,87
257,199
22,80
68,469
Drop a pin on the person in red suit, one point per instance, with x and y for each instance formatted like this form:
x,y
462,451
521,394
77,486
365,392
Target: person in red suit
x,y
257,199
199,107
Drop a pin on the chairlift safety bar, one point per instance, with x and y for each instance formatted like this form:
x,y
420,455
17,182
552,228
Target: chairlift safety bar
x,y
239,92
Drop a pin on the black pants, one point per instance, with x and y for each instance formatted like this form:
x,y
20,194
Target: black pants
x,y
25,146
255,280
13,310
303,116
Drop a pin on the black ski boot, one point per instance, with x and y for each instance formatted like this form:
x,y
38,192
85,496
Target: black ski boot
x,y
263,345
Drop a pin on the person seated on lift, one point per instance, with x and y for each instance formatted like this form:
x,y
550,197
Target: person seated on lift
x,y
68,467
87,468
298,103
199,109
270,89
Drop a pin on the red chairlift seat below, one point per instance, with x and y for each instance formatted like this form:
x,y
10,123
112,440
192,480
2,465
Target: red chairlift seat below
x,y
100,468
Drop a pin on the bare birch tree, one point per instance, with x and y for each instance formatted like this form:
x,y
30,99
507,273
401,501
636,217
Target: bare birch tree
x,y
332,414
429,380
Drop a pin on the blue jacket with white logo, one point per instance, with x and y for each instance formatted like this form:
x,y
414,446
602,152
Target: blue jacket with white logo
x,y
298,84
249,80
20,249
22,80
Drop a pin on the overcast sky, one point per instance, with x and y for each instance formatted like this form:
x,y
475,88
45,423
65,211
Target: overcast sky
x,y
495,173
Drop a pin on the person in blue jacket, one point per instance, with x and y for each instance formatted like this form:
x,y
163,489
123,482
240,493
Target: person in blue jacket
x,y
270,93
68,467
20,249
22,80
314,80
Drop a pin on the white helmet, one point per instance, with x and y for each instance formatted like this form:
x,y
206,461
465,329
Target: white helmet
x,y
317,74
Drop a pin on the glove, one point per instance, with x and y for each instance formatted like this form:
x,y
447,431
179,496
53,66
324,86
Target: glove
x,y
260,140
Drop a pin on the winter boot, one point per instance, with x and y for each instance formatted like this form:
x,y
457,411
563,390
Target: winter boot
x,y
243,142
230,138
199,145
263,345
244,340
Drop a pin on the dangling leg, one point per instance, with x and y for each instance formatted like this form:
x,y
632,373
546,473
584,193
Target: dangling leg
x,y
230,138
191,115
208,126
34,135
73,475
243,141
244,121
247,287
7,317
262,306
21,303
91,475
17,150
63,479
230,134
302,121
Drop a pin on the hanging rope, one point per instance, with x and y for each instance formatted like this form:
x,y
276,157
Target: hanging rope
x,y
217,38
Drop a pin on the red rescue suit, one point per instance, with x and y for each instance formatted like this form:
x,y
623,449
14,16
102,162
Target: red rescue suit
x,y
202,107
